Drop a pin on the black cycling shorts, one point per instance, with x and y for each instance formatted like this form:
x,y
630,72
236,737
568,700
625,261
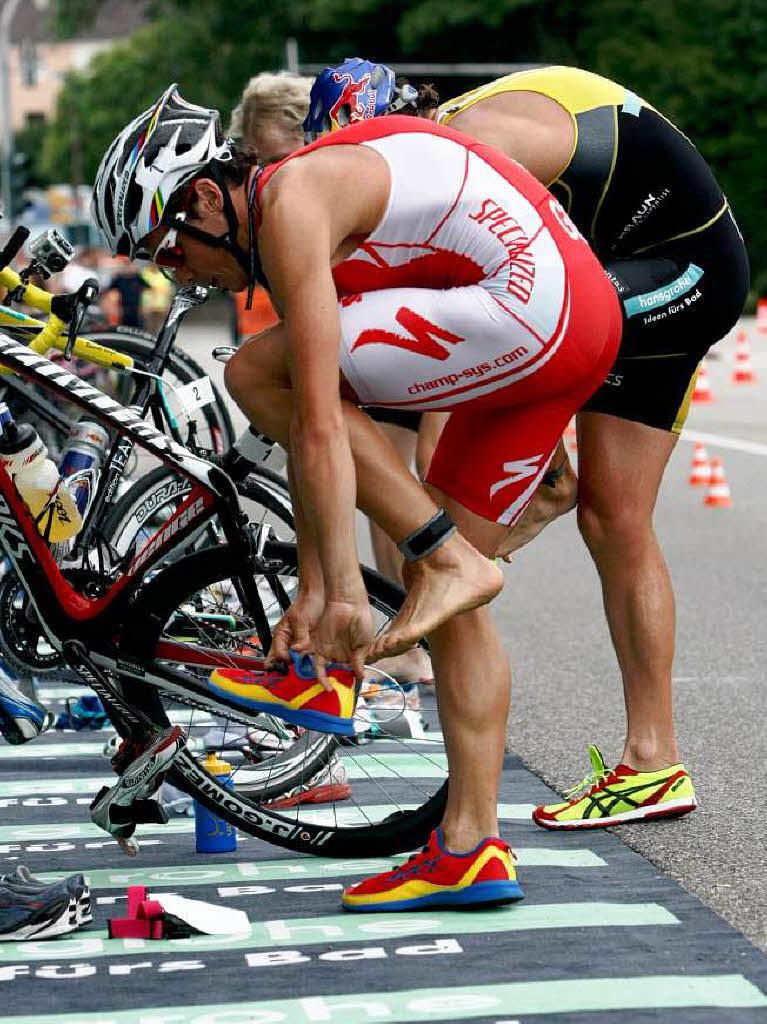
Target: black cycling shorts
x,y
678,300
398,417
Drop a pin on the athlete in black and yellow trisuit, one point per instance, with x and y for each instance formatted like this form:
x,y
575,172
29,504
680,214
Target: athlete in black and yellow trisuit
x,y
643,196
645,199
651,209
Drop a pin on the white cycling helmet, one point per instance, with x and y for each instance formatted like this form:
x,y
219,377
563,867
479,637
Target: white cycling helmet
x,y
148,162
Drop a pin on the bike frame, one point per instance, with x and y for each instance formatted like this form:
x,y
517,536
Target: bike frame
x,y
146,398
144,394
100,625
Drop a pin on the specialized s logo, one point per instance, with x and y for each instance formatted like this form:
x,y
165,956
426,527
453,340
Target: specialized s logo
x,y
350,93
422,340
520,470
11,538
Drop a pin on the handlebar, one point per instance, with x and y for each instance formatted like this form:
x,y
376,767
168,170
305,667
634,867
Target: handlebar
x,y
29,294
64,311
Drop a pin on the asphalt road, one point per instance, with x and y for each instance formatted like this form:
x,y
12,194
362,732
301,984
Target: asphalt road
x,y
567,686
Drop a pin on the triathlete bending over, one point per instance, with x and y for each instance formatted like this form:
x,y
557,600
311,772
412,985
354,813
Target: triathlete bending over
x,y
652,210
439,275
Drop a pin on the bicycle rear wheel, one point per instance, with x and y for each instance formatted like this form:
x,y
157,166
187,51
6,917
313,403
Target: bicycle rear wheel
x,y
154,497
403,770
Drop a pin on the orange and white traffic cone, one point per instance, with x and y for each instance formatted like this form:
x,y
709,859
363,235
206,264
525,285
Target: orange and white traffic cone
x,y
744,371
718,495
761,315
702,392
701,467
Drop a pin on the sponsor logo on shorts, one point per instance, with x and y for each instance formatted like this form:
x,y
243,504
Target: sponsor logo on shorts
x,y
650,204
422,339
569,228
449,380
512,237
667,295
617,284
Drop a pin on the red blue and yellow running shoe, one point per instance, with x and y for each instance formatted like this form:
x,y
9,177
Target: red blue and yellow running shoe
x,y
435,877
294,694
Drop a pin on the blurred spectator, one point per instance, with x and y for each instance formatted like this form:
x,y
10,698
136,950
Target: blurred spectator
x,y
156,300
84,266
251,321
121,299
269,119
270,115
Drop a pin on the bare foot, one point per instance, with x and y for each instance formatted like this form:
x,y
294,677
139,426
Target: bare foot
x,y
548,503
453,579
414,666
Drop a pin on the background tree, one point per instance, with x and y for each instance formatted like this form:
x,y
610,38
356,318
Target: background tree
x,y
698,61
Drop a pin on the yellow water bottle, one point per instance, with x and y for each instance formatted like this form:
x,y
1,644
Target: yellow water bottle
x,y
25,458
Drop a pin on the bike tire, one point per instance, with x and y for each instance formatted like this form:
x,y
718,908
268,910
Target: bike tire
x,y
400,831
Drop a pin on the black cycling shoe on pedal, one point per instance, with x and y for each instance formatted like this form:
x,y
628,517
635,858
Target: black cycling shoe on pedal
x,y
35,916
117,809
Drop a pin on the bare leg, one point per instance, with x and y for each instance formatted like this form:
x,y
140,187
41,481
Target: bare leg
x,y
413,665
621,466
549,502
455,578
429,432
473,684
387,556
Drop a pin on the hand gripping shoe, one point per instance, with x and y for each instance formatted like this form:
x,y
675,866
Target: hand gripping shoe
x,y
435,877
295,694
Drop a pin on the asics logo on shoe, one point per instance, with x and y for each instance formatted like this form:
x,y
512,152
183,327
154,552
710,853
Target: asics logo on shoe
x,y
427,864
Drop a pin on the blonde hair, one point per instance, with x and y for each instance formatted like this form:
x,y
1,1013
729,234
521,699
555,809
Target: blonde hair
x,y
280,98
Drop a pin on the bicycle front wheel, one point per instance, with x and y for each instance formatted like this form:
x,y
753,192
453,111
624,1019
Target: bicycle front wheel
x,y
213,424
398,780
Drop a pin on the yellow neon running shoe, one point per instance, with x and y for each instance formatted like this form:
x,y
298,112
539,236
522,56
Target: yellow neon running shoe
x,y
612,796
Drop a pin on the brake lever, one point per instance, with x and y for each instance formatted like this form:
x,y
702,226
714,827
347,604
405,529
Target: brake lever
x,y
84,296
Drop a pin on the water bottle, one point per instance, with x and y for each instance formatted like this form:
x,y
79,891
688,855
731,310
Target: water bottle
x,y
213,834
25,458
82,460
5,416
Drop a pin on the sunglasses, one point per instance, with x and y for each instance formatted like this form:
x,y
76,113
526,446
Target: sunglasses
x,y
168,253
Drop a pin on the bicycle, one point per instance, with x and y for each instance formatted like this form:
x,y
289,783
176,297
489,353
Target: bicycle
x,y
113,523
138,355
140,635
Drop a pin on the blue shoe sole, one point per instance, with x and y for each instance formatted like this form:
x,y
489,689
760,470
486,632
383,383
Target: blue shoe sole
x,y
318,721
481,894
